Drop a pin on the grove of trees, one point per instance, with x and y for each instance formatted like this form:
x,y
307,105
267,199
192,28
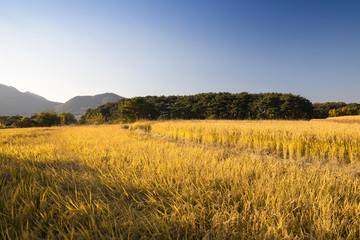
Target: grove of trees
x,y
335,109
205,106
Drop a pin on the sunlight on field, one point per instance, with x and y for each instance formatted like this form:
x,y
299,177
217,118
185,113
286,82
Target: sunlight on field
x,y
181,180
288,139
345,119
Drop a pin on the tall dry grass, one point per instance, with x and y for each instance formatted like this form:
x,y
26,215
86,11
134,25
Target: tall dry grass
x,y
105,182
315,141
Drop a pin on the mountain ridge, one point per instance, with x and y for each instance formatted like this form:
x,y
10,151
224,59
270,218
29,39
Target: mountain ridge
x,y
15,102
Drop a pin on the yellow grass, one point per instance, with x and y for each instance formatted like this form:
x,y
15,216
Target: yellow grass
x,y
314,141
179,180
345,119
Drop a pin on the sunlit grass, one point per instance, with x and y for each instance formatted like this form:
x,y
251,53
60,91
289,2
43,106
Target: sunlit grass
x,y
106,182
345,119
320,141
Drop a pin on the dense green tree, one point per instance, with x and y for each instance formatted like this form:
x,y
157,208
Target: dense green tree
x,y
268,106
162,105
137,108
25,122
296,107
240,106
97,118
9,121
47,119
110,112
67,118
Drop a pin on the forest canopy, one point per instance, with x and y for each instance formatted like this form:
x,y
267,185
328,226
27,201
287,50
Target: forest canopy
x,y
203,106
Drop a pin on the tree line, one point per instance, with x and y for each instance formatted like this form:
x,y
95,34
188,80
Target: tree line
x,y
42,119
335,109
200,106
203,106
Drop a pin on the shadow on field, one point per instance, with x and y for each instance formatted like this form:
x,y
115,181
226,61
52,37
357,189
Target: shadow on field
x,y
65,199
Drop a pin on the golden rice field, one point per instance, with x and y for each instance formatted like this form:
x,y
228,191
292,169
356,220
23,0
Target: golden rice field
x,y
182,180
314,141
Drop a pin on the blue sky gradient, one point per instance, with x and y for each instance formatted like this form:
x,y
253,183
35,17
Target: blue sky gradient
x,y
59,49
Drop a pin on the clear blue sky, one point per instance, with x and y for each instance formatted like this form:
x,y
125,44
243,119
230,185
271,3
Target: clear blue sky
x,y
59,49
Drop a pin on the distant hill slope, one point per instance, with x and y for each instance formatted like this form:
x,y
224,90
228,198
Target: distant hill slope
x,y
14,102
36,96
78,105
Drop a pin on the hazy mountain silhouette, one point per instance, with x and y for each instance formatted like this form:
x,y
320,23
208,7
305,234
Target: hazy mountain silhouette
x,y
36,96
79,104
14,102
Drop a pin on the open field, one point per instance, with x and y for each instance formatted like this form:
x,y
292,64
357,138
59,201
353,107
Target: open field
x,y
182,180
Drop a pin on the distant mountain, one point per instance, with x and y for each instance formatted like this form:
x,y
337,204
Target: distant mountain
x,y
78,105
14,102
